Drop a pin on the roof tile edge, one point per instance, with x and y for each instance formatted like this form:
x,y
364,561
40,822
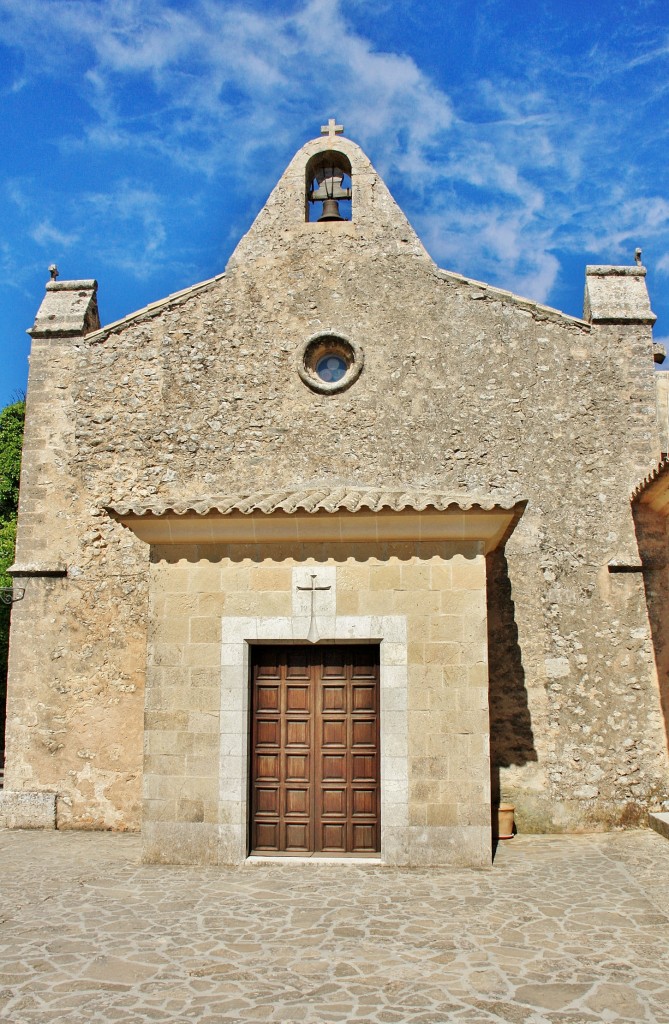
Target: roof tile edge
x,y
180,296
546,312
659,470
310,502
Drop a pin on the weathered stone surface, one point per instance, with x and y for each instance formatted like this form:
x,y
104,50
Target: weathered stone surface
x,y
617,295
662,386
659,820
466,390
69,308
27,810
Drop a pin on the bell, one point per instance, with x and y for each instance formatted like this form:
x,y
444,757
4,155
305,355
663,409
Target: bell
x,y
329,176
330,211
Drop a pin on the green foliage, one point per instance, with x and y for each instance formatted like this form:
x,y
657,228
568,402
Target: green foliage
x,y
11,440
7,543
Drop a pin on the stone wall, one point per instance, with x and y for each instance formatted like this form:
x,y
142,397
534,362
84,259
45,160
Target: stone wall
x,y
465,388
426,606
78,636
662,390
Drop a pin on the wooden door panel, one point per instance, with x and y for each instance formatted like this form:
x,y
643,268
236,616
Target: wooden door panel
x,y
296,660
364,697
334,698
267,800
333,662
364,768
333,733
363,733
297,768
363,803
366,662
298,837
333,838
364,838
334,803
298,697
268,698
267,835
333,768
298,733
268,733
267,767
297,801
314,741
267,663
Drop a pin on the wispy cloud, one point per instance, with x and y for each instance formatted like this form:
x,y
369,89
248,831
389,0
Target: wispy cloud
x,y
137,242
646,217
46,235
123,227
500,177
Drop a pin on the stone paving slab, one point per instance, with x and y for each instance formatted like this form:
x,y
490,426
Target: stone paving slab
x,y
562,929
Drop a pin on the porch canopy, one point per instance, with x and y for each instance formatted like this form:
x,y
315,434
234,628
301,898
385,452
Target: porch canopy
x,y
336,515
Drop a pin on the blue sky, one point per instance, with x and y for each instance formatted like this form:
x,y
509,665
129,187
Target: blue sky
x,y
141,137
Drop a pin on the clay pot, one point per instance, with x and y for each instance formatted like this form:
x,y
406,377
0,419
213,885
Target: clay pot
x,y
505,821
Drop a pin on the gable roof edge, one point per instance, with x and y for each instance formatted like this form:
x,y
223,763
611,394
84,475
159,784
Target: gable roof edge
x,y
537,309
153,307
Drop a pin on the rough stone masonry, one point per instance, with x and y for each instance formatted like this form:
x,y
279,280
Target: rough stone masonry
x,y
465,484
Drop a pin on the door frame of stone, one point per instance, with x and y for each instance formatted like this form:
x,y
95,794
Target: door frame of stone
x,y
239,633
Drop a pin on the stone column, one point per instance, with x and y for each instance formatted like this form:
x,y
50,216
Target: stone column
x,y
44,546
617,305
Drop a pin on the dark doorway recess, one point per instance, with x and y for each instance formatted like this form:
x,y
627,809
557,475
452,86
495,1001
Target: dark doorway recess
x,y
315,750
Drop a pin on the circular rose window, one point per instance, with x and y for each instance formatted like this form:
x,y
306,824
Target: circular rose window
x,y
329,362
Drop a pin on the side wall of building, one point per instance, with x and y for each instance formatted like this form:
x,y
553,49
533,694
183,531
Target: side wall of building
x,y
78,635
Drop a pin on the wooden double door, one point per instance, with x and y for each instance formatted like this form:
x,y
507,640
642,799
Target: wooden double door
x,y
315,784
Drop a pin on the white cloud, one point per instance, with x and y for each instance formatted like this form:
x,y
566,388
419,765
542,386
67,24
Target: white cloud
x,y
226,88
139,235
48,236
633,219
16,193
123,226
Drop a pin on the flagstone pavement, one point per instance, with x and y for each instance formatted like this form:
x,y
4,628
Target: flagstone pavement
x,y
562,929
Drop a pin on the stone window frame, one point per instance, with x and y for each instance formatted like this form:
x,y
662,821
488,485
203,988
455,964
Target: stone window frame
x,y
312,350
239,633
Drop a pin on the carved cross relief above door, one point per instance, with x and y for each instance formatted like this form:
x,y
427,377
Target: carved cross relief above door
x,y
314,600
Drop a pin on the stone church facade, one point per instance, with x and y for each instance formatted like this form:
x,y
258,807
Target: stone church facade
x,y
333,552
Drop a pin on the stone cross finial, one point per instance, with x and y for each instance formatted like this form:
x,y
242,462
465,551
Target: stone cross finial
x,y
332,128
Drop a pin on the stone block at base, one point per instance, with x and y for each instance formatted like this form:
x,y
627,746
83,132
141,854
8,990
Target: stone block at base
x,y
165,842
459,846
27,809
659,820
